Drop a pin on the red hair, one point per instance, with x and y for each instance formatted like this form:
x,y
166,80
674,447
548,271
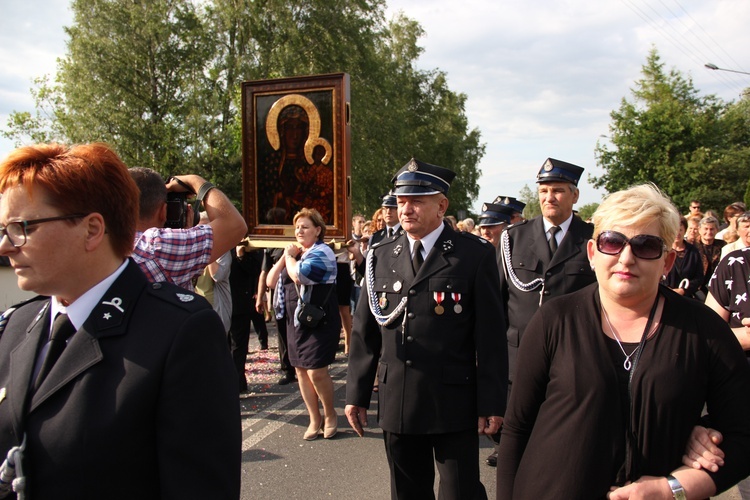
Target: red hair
x,y
85,178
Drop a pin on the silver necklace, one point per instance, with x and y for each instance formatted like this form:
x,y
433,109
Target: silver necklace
x,y
627,364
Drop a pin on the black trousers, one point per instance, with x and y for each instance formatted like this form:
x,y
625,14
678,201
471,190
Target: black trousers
x,y
239,336
412,459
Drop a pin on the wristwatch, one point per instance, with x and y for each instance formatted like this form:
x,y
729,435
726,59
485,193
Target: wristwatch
x,y
204,189
678,492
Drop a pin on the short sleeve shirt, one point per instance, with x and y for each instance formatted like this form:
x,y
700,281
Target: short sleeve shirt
x,y
174,255
729,285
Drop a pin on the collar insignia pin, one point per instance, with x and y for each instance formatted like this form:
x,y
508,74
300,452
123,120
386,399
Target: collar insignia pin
x,y
116,302
185,297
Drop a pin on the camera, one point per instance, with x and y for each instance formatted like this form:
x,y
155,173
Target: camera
x,y
177,210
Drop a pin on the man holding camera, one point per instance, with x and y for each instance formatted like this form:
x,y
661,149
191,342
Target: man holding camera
x,y
178,254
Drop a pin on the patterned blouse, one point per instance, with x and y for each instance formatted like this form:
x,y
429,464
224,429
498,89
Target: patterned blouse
x,y
729,285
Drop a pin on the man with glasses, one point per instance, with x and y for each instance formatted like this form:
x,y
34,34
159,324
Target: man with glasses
x,y
543,257
695,209
105,377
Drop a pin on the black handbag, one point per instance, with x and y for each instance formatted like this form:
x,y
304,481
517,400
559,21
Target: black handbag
x,y
310,315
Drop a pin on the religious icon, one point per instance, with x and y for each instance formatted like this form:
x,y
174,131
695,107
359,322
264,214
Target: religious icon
x,y
296,153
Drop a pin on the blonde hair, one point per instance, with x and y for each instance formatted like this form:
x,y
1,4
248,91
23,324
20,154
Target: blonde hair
x,y
638,206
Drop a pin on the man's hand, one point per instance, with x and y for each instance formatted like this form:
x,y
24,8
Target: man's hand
x,y
702,450
260,302
489,425
357,417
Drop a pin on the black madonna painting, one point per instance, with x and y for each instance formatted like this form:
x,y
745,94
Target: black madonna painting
x,y
296,153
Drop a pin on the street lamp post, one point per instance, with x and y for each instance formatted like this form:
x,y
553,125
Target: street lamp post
x,y
715,67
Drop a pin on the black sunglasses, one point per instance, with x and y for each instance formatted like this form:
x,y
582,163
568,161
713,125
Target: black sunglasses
x,y
643,246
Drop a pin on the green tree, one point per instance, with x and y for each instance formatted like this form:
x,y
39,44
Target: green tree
x,y
671,136
533,208
586,211
160,82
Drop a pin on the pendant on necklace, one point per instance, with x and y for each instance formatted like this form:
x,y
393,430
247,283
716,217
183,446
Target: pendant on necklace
x,y
627,364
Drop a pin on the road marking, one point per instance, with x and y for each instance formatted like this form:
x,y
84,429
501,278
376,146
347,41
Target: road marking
x,y
272,426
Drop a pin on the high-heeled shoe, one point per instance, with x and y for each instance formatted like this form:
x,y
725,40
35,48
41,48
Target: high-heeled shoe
x,y
330,431
312,434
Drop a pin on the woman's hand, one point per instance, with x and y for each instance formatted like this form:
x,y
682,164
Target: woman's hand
x,y
292,251
702,450
646,488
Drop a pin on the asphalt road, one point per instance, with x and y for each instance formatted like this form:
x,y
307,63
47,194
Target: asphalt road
x,y
278,464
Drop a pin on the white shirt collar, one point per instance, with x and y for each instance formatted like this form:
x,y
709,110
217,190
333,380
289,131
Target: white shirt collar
x,y
81,309
427,242
563,227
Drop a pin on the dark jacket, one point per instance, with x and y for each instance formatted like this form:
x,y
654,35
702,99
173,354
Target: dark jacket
x,y
438,372
141,404
568,270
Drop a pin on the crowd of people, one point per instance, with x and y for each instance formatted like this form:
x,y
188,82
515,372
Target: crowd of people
x,y
585,352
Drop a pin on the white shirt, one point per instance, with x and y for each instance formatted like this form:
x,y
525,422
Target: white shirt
x,y
563,229
427,242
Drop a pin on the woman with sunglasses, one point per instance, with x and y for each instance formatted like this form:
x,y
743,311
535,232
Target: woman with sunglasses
x,y
616,375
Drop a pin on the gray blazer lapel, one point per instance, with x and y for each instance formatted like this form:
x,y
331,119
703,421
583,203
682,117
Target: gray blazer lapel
x,y
79,355
400,260
22,361
108,318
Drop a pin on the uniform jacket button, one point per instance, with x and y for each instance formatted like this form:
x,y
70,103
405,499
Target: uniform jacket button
x,y
411,315
412,292
409,338
408,362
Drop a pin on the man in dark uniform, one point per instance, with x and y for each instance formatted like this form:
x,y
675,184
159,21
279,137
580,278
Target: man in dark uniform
x,y
546,256
492,222
515,205
431,313
390,217
110,386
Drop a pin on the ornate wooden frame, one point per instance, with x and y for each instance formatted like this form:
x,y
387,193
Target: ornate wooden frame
x,y
280,172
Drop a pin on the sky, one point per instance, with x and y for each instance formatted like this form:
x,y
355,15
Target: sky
x,y
541,76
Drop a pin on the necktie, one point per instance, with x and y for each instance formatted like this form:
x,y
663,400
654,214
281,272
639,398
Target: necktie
x,y
416,258
390,232
552,239
62,330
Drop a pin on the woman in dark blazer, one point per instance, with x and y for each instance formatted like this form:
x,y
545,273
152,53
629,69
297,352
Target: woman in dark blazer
x,y
613,378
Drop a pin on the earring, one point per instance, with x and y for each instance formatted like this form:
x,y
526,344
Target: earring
x,y
592,267
664,277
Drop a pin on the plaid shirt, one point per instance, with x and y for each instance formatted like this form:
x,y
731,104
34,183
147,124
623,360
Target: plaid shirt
x,y
173,255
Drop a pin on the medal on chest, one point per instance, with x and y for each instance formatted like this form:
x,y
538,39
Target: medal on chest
x,y
457,307
439,298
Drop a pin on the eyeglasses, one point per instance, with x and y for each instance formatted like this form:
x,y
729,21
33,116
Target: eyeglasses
x,y
16,230
643,246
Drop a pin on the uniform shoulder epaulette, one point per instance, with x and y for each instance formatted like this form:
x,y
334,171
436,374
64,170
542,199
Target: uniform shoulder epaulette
x,y
178,296
473,237
29,301
517,224
24,303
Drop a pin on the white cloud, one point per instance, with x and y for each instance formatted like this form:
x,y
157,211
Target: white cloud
x,y
541,76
